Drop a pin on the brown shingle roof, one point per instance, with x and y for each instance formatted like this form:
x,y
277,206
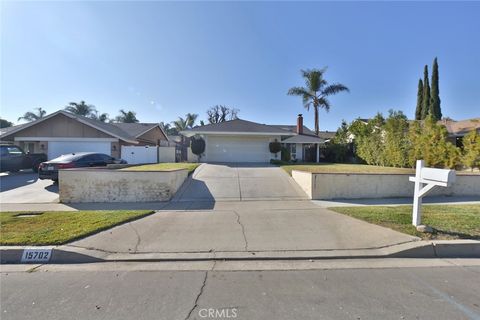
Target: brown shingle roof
x,y
461,127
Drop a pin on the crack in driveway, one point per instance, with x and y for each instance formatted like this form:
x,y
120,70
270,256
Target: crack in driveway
x,y
243,229
138,238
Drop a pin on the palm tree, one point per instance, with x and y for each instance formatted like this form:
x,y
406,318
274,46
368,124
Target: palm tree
x,y
81,109
32,116
127,117
180,124
191,118
316,91
103,117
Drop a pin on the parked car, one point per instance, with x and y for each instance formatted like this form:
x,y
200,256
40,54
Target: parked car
x,y
49,169
13,159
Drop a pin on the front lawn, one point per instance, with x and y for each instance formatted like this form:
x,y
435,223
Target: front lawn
x,y
324,167
449,221
164,167
53,228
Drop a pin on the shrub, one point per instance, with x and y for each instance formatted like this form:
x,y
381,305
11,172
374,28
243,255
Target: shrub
x,y
286,154
198,146
335,152
275,147
471,150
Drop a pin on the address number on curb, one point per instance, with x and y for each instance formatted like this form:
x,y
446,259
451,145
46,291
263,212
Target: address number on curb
x,y
36,255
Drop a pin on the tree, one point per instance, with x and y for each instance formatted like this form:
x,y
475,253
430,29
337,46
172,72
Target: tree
x,y
471,150
81,109
419,108
191,118
435,109
426,94
32,116
180,124
198,146
275,147
395,139
5,123
100,117
316,91
369,142
169,130
126,117
221,113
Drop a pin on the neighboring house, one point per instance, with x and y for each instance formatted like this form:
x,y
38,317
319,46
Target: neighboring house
x,y
245,141
63,132
458,129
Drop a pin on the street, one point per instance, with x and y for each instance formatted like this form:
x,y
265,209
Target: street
x,y
377,289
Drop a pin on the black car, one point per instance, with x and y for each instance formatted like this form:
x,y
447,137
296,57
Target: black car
x,y
49,169
13,158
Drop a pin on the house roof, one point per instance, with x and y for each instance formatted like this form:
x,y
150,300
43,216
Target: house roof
x,y
462,127
327,134
124,131
293,128
237,126
303,138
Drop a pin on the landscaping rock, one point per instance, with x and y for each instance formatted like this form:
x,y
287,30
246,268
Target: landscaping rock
x,y
424,228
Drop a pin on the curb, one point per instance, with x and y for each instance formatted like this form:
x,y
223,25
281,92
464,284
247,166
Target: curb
x,y
417,249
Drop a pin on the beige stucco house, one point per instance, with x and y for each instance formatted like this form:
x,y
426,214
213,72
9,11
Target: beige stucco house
x,y
63,132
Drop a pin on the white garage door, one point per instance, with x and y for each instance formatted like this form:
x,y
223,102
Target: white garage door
x,y
237,149
57,148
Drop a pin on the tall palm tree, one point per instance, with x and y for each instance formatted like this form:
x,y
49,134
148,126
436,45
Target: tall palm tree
x,y
127,117
191,118
316,91
180,124
81,109
103,117
32,116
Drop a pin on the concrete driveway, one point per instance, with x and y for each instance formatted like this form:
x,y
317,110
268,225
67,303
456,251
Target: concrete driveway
x,y
25,187
240,181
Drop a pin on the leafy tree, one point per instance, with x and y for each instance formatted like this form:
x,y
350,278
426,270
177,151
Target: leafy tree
x,y
426,94
126,117
202,123
316,92
198,146
419,108
368,140
471,150
81,109
103,117
342,136
435,109
395,138
5,123
169,130
32,116
221,113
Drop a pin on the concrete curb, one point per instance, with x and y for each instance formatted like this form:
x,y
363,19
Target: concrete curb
x,y
417,249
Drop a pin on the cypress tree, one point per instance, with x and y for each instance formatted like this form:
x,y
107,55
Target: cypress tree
x,y
435,109
426,94
418,110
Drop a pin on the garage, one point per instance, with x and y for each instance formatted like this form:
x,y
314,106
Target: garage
x,y
57,148
237,149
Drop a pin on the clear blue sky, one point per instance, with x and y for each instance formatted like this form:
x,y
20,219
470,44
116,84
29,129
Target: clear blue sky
x,y
163,60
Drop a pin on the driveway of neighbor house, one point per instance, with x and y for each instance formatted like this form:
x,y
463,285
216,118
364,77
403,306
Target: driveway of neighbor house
x,y
25,187
240,208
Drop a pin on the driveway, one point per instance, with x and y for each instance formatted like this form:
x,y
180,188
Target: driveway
x,y
25,187
238,182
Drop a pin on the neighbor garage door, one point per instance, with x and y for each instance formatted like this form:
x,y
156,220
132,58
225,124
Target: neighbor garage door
x,y
57,148
237,149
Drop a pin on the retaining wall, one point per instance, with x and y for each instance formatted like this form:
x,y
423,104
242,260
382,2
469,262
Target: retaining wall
x,y
328,186
105,185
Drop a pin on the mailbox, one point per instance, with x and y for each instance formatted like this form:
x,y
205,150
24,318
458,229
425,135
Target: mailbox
x,y
425,180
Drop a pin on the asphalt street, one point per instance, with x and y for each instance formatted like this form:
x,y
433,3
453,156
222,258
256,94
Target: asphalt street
x,y
80,292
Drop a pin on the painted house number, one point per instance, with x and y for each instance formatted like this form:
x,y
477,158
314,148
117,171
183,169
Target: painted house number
x,y
36,255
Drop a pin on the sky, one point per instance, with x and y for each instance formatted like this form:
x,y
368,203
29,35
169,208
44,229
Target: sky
x,y
164,59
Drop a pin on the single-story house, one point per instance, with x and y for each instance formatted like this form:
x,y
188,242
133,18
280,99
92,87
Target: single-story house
x,y
62,132
458,129
246,141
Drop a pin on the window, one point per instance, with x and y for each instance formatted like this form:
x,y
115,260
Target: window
x,y
14,151
292,147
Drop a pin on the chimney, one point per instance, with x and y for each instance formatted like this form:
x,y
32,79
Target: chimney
x,y
300,124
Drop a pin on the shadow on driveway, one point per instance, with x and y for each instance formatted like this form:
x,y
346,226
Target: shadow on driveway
x,y
9,181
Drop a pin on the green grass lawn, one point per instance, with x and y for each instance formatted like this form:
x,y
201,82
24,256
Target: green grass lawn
x,y
164,167
52,228
325,167
449,221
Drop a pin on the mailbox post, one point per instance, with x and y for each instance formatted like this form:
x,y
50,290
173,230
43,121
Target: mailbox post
x,y
425,180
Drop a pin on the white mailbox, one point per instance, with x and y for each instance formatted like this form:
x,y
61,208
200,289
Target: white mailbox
x,y
425,180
